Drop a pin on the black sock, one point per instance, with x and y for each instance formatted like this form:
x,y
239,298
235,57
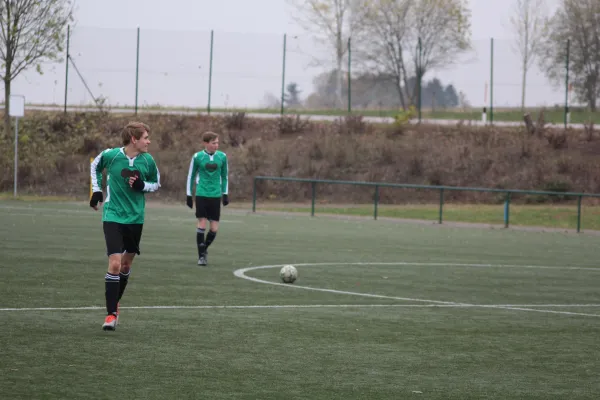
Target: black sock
x,y
210,237
123,284
200,241
111,284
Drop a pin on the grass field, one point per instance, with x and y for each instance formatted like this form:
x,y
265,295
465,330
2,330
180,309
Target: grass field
x,y
381,310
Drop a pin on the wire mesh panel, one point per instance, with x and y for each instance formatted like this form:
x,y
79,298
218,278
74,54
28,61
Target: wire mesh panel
x,y
245,68
174,68
47,88
508,80
103,66
252,71
312,66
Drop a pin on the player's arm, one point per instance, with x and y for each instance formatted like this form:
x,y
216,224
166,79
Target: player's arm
x,y
153,182
225,180
96,169
192,172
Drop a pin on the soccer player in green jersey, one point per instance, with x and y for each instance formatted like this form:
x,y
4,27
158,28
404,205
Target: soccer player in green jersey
x,y
130,173
208,170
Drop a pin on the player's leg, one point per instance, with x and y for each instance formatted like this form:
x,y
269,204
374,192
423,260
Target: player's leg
x,y
132,235
212,232
200,240
214,215
201,228
131,246
113,236
125,271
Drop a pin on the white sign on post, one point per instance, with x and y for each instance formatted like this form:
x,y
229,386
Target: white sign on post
x,y
17,106
17,110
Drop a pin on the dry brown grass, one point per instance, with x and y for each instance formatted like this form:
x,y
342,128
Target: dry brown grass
x,y
55,151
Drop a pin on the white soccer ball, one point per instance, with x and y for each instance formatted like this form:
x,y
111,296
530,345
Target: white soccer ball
x,y
288,274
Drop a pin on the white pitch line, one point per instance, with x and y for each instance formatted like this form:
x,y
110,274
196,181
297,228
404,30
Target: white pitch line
x,y
55,212
278,306
241,273
543,311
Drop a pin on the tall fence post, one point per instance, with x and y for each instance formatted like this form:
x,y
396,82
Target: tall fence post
x,y
441,205
375,201
16,183
67,65
567,114
210,70
420,76
137,70
349,76
491,80
283,74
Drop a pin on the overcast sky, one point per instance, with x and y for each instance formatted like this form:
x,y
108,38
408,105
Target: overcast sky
x,y
247,64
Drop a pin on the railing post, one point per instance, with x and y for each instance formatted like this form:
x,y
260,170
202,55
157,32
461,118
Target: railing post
x,y
254,195
441,205
375,201
579,214
507,209
314,195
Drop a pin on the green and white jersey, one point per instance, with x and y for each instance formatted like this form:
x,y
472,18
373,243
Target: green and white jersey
x,y
123,204
209,173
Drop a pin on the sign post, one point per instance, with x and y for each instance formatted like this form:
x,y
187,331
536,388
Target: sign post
x,y
17,110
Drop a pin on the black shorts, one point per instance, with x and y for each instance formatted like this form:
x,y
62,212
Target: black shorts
x,y
208,207
122,238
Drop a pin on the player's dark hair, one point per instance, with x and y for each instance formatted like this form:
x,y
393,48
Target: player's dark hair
x,y
209,136
134,129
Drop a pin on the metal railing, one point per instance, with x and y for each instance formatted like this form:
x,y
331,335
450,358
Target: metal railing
x,y
442,189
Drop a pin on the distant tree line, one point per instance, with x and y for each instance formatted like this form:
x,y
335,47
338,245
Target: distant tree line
x,y
394,41
368,92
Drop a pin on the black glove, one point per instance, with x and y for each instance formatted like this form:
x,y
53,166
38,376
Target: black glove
x,y
225,200
138,185
97,197
189,202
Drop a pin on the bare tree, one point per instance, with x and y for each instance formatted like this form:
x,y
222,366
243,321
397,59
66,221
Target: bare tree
x,y
443,29
528,21
407,38
31,32
332,22
577,21
387,25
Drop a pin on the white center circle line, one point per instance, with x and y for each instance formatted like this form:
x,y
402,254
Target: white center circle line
x,y
241,273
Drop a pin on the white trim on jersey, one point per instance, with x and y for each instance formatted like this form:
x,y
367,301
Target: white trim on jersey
x,y
153,187
226,186
188,187
94,173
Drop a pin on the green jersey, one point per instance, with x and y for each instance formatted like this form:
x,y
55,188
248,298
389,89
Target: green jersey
x,y
123,204
209,173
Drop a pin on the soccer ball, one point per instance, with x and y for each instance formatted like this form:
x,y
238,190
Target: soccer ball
x,y
288,274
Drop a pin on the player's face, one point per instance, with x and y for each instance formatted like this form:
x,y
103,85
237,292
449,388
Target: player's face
x,y
142,144
212,146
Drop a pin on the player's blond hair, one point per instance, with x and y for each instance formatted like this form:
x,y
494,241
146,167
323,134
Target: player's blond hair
x,y
134,129
209,136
